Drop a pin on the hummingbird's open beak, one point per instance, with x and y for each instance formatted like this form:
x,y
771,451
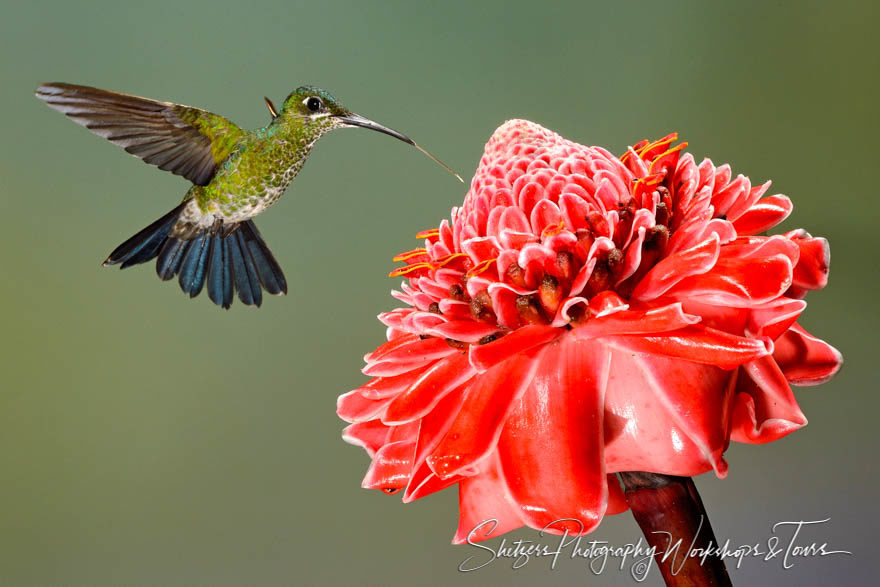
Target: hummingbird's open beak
x,y
352,119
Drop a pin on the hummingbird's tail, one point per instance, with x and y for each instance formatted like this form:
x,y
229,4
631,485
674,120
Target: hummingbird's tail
x,y
227,256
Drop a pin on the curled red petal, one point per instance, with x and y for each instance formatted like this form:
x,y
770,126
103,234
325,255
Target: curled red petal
x,y
773,319
811,271
765,408
805,359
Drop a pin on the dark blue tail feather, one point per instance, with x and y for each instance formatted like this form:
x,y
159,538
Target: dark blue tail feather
x,y
268,270
195,265
144,245
170,257
246,282
230,258
219,272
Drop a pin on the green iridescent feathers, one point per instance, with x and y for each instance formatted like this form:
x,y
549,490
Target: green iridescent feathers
x,y
186,141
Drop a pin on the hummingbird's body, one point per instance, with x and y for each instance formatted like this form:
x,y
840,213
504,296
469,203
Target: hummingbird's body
x,y
253,177
237,174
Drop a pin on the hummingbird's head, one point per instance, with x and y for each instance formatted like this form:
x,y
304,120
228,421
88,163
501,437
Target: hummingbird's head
x,y
314,105
320,112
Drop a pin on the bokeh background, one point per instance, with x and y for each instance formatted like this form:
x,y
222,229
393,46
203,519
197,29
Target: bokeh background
x,y
146,439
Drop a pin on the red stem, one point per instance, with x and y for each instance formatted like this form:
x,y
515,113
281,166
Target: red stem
x,y
667,509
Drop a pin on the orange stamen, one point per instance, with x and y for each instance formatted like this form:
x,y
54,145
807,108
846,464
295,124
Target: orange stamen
x,y
658,143
480,268
410,254
443,261
677,147
648,181
553,229
409,269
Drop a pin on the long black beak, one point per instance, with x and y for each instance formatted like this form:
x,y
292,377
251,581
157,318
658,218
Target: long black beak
x,y
358,120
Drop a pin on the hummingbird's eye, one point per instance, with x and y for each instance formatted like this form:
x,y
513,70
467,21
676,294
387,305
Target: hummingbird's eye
x,y
313,104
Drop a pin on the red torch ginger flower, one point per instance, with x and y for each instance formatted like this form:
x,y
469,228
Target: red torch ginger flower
x,y
581,315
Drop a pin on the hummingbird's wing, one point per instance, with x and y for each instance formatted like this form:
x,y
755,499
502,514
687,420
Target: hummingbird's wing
x,y
181,139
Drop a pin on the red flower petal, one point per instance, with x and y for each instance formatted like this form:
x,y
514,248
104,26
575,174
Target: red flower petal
x,y
666,415
738,282
463,330
382,387
737,209
391,466
674,268
811,271
486,508
764,215
765,408
371,435
409,356
354,407
551,447
390,346
695,343
655,320
428,389
424,482
805,359
773,319
616,498
476,428
483,357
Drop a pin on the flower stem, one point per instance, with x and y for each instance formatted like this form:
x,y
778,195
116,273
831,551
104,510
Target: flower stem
x,y
669,509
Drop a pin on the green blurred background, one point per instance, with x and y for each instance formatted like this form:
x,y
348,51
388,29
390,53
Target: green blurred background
x,y
146,439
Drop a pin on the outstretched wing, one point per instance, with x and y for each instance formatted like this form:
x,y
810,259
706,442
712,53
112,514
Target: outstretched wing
x,y
181,139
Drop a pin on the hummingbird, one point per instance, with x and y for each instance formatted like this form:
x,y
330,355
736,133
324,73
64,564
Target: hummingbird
x,y
236,175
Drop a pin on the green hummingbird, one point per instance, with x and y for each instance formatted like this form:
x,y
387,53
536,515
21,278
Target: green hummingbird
x,y
236,174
